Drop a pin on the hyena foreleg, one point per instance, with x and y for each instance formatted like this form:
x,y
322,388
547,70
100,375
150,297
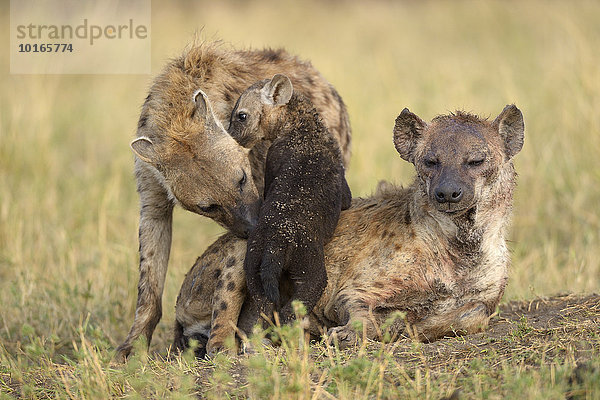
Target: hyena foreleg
x,y
156,215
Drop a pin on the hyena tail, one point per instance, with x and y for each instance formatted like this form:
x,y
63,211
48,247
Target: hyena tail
x,y
182,342
179,341
270,274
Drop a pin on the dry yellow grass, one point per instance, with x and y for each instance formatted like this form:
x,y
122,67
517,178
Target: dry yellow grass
x,y
68,207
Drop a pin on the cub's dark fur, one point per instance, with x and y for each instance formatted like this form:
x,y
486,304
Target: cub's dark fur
x,y
305,190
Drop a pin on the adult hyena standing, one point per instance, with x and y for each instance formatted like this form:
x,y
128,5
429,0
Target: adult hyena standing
x,y
185,157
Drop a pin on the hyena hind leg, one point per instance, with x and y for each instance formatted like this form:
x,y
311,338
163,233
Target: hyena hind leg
x,y
212,294
470,318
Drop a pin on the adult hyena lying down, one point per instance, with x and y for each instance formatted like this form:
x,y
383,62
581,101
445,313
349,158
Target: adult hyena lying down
x,y
184,156
435,250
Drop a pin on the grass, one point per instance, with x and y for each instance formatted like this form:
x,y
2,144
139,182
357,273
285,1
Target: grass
x,y
516,358
68,207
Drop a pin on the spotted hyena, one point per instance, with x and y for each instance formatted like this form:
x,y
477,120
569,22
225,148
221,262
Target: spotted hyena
x,y
435,250
184,155
305,190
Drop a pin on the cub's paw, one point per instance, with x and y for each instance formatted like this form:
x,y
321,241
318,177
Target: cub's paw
x,y
344,336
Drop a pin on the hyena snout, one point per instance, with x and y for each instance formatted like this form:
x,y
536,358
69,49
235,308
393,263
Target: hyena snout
x,y
448,192
245,217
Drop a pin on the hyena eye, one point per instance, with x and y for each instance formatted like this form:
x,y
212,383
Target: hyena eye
x,y
242,116
208,209
243,180
476,162
431,162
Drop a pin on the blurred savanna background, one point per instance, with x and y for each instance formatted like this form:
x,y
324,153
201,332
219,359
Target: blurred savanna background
x,y
68,205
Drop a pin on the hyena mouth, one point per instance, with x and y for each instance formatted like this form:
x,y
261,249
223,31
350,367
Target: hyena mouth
x,y
460,211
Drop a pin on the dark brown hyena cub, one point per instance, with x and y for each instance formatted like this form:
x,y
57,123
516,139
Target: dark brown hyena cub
x,y
305,190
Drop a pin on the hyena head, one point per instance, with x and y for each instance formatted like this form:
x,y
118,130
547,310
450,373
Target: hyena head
x,y
204,169
258,108
459,156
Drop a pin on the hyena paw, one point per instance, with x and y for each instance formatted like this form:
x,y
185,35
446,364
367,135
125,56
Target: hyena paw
x,y
122,353
249,348
212,348
344,336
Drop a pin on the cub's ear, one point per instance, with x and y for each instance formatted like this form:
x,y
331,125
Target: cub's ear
x,y
407,132
278,90
144,149
511,128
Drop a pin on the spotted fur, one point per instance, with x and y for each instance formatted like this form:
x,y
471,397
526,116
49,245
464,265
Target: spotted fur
x,y
184,155
445,266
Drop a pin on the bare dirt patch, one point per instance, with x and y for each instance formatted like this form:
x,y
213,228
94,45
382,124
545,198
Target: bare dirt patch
x,y
559,328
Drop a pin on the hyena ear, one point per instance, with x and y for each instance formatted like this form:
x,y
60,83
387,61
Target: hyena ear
x,y
203,108
144,149
278,90
407,132
511,128
205,112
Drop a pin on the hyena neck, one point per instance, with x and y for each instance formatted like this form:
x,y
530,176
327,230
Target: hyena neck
x,y
298,117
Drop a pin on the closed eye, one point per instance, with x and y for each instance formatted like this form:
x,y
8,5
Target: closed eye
x,y
431,162
475,163
243,180
208,209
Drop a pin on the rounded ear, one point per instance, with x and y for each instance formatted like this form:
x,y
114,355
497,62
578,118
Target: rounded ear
x,y
407,132
145,150
511,127
278,90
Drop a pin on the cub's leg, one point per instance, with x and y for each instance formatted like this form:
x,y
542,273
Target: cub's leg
x,y
309,278
253,263
259,281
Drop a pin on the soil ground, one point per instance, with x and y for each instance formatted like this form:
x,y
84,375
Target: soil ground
x,y
524,335
559,333
535,331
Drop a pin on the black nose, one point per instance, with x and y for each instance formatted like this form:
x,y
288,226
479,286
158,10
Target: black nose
x,y
245,218
448,193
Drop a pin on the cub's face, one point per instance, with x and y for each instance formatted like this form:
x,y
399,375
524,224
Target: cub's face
x,y
244,124
258,110
458,156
